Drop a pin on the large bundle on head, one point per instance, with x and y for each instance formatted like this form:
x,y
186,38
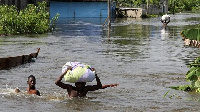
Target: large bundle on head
x,y
80,72
165,19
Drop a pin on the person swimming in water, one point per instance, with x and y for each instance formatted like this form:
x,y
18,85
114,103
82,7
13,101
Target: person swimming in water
x,y
80,89
31,89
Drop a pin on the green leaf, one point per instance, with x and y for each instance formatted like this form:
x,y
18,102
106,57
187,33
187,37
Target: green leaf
x,y
197,84
183,88
191,73
166,93
191,69
198,73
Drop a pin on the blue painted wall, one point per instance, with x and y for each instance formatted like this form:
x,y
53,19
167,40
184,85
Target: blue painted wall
x,y
81,9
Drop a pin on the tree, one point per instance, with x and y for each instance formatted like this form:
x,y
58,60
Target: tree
x,y
184,5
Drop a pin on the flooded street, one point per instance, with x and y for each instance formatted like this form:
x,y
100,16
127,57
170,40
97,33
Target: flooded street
x,y
144,58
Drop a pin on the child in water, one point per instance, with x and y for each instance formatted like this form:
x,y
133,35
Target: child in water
x,y
31,88
80,89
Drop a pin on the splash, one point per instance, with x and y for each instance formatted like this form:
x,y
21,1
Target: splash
x,y
11,93
15,93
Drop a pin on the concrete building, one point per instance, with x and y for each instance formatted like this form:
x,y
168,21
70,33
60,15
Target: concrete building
x,y
69,8
129,12
155,9
81,9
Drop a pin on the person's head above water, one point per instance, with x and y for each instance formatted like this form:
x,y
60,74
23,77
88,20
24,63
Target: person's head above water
x,y
31,81
80,85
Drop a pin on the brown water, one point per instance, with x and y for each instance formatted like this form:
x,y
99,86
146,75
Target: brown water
x,y
138,54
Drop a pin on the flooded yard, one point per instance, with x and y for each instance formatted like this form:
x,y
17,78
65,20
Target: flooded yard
x,y
139,54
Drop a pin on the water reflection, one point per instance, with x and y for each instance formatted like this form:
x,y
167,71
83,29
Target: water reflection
x,y
80,26
164,32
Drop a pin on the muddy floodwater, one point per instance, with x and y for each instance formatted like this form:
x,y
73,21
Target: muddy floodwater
x,y
144,58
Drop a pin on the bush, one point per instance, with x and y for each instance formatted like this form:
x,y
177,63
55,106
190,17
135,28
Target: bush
x,y
192,34
193,76
31,20
184,5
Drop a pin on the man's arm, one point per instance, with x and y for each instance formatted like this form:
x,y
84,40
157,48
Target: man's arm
x,y
99,85
109,85
61,84
168,20
95,87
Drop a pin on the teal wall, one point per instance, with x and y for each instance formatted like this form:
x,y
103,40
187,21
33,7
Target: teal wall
x,y
80,9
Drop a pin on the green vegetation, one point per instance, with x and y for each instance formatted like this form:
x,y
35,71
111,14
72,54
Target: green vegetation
x,y
184,5
193,76
31,20
174,5
135,3
192,34
180,5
